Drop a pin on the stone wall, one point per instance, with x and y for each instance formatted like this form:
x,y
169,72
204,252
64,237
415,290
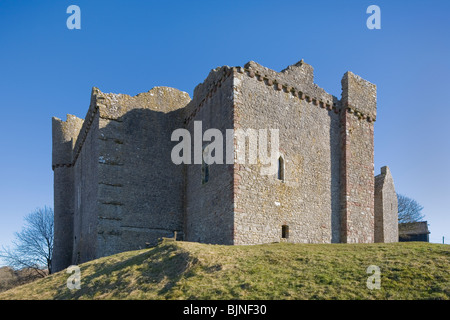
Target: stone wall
x,y
116,188
209,211
307,201
85,198
357,172
140,190
386,208
64,135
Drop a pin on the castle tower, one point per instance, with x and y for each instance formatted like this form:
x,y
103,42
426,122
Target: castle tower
x,y
357,153
64,134
300,201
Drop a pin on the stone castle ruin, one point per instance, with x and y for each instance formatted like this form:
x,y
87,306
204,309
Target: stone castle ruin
x,y
117,189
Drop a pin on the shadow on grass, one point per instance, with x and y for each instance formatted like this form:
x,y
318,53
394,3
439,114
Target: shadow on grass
x,y
159,268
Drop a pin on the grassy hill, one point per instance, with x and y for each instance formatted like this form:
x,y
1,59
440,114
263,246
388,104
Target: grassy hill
x,y
184,270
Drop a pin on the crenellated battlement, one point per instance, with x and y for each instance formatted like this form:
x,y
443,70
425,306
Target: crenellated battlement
x,y
358,95
65,135
297,80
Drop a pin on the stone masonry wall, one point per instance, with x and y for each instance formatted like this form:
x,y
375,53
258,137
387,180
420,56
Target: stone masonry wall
x,y
209,206
119,189
84,185
307,201
64,135
85,198
357,172
140,190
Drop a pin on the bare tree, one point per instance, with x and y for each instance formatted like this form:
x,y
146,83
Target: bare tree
x,y
409,210
33,246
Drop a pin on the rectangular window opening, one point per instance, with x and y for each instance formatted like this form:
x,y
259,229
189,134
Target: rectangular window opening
x,y
205,167
284,232
280,174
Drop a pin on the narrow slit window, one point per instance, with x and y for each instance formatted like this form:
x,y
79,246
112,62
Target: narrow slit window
x,y
285,231
205,169
281,168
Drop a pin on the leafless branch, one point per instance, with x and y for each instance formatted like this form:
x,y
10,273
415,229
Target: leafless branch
x,y
33,246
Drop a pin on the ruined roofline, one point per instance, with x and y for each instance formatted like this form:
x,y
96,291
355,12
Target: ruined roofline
x,y
96,100
283,80
296,79
101,102
84,130
205,90
116,105
115,97
64,135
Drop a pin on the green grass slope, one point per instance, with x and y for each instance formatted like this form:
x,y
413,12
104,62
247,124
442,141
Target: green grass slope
x,y
184,270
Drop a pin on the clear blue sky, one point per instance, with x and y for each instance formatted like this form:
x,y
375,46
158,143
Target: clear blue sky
x,y
131,46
